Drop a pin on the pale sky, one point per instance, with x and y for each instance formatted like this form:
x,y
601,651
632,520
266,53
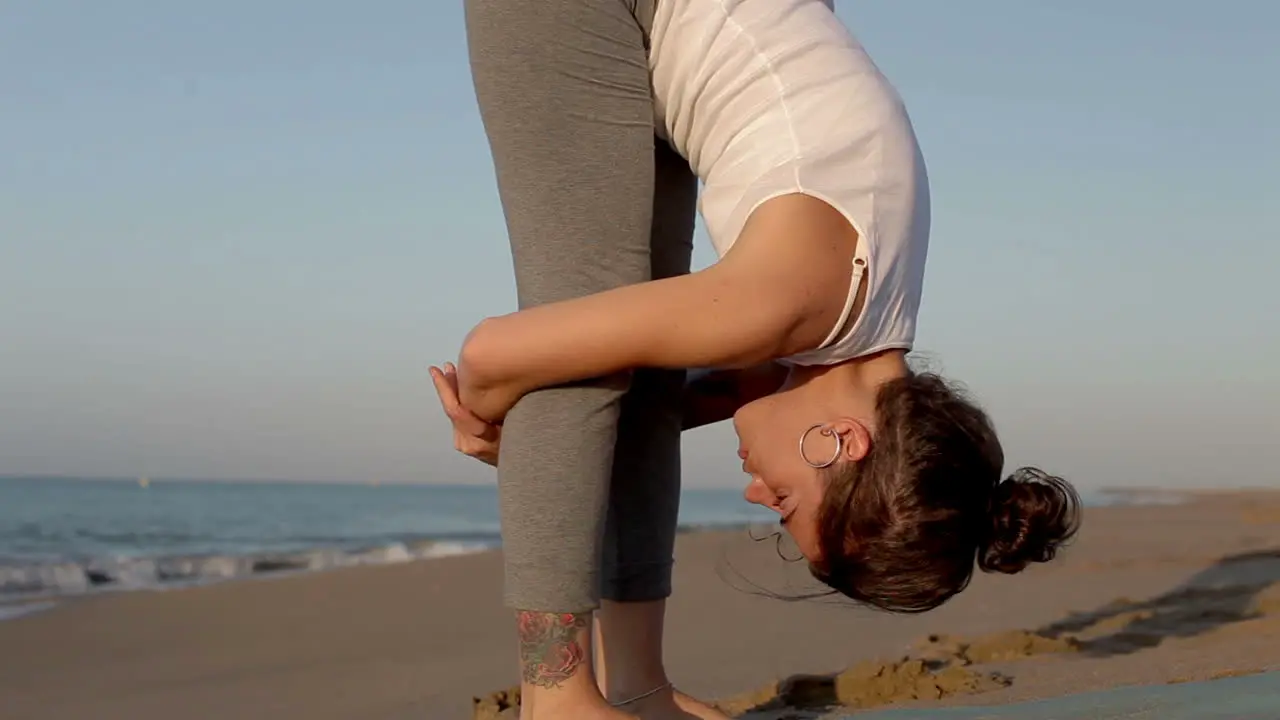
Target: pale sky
x,y
233,235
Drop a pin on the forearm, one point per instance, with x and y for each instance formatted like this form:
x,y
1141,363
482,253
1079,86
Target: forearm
x,y
712,396
776,293
690,321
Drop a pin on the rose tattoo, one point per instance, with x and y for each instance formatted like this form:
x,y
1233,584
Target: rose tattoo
x,y
550,651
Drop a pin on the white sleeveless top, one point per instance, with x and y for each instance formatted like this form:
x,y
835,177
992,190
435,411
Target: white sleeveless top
x,y
772,97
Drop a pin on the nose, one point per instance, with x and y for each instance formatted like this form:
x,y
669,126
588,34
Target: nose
x,y
760,494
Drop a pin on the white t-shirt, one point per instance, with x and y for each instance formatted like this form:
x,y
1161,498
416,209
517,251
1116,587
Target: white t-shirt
x,y
771,97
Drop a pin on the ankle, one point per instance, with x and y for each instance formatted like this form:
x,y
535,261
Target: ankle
x,y
629,642
556,675
657,702
638,689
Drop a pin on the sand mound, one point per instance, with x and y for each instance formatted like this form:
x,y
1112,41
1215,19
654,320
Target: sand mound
x,y
867,684
942,665
996,647
1267,602
938,667
501,705
871,684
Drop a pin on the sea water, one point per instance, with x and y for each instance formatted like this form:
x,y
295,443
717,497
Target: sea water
x,y
71,536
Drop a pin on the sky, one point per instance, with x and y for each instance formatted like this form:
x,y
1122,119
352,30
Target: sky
x,y
234,235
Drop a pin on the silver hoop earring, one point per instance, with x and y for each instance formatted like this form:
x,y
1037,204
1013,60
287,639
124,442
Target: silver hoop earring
x,y
829,433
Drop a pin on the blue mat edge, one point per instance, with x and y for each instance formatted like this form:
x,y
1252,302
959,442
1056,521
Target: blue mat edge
x,y
1255,694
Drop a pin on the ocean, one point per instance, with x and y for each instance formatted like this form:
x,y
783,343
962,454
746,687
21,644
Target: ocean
x,y
67,537
71,536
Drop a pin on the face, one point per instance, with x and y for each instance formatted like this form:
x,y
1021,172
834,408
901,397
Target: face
x,y
780,478
769,432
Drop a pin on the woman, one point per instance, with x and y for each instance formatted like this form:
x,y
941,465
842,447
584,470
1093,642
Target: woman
x,y
599,114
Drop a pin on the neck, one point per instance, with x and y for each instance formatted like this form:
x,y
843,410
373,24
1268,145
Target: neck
x,y
855,380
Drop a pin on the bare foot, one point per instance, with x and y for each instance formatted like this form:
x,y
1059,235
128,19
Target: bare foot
x,y
674,705
594,713
698,708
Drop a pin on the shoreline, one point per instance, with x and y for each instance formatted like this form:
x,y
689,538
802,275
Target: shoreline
x,y
67,579
1149,594
183,572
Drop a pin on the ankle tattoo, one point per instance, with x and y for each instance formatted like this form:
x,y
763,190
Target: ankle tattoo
x,y
551,649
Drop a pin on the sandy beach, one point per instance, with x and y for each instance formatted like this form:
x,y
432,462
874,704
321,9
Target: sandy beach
x,y
1147,595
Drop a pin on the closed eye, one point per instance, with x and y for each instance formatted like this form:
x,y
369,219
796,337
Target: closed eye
x,y
785,512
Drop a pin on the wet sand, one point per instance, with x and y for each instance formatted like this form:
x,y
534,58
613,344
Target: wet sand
x,y
1147,595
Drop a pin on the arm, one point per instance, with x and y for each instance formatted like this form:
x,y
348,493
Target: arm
x,y
712,396
777,292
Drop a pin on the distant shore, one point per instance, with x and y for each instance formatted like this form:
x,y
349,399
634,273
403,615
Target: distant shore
x,y
1151,593
51,580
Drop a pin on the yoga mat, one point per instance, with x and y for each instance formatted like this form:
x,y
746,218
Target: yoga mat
x,y
1254,697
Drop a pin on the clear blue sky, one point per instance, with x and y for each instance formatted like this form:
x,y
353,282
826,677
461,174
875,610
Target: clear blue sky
x,y
233,235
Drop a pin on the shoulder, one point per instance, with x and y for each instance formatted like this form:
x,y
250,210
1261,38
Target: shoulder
x,y
796,252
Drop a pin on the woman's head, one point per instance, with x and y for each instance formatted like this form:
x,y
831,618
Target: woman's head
x,y
892,494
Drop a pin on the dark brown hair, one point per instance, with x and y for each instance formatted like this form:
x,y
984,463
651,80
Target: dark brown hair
x,y
901,529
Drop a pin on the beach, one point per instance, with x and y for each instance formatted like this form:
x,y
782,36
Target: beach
x,y
1148,595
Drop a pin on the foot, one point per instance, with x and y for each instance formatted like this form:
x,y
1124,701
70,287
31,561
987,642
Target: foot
x,y
593,713
674,705
698,708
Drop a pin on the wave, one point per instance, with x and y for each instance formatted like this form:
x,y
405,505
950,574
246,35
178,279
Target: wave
x,y
28,584
43,580
26,581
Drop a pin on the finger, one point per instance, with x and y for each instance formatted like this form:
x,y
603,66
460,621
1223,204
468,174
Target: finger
x,y
463,418
482,451
464,422
448,395
473,425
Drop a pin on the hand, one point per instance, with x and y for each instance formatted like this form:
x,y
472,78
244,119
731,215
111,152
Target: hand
x,y
472,436
483,387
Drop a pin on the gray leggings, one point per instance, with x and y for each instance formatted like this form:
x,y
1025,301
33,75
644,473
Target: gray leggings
x,y
589,473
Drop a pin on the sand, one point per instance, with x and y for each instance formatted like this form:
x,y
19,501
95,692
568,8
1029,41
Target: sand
x,y
1148,595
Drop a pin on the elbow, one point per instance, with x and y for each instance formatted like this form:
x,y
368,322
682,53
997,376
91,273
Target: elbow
x,y
486,385
480,359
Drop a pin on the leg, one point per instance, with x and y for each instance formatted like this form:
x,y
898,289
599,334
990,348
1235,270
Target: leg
x,y
563,88
644,497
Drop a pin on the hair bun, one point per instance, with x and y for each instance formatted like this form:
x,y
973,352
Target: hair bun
x,y
1032,514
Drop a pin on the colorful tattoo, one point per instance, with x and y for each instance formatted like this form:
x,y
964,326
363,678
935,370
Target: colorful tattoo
x,y
550,646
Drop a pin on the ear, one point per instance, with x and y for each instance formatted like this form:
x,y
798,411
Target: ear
x,y
857,439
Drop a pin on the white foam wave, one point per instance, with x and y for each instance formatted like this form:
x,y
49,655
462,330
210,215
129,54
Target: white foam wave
x,y
57,579
9,612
